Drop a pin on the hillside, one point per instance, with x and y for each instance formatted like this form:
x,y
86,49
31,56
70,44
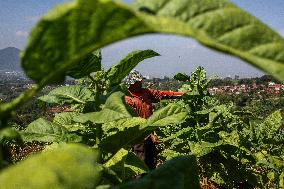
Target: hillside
x,y
9,59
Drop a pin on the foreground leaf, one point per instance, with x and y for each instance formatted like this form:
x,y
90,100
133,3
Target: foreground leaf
x,y
180,173
55,169
72,31
222,26
45,131
91,63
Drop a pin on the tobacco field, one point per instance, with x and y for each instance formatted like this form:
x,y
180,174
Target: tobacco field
x,y
88,147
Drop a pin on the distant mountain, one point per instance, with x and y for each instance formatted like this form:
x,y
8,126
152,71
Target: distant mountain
x,y
10,60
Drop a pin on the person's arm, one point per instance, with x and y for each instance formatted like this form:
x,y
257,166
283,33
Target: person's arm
x,y
129,100
157,95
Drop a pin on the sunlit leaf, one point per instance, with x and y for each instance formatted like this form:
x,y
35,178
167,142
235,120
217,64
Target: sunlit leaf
x,y
71,31
46,131
67,167
68,95
113,109
171,114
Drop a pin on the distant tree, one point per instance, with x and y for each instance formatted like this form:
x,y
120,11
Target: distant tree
x,y
268,78
216,82
246,81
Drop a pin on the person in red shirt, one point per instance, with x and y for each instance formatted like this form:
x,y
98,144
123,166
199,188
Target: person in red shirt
x,y
141,100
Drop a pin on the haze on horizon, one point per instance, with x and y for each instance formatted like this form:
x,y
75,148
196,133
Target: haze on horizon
x,y
178,54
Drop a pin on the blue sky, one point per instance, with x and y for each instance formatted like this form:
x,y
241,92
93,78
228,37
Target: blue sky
x,y
179,54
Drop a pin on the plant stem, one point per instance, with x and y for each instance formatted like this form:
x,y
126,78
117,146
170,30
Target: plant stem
x,y
99,138
98,133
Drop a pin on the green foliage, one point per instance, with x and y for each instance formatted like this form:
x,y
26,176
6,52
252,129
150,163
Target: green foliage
x,y
198,19
239,34
65,118
180,172
9,134
271,125
230,150
113,109
55,169
91,63
48,55
68,95
171,114
182,77
135,129
266,135
197,84
123,134
119,71
45,131
126,164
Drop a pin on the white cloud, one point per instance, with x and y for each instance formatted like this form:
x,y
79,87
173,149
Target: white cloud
x,y
22,34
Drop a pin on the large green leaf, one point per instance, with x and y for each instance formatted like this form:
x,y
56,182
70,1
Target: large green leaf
x,y
71,31
171,114
68,95
127,132
222,26
126,164
119,71
114,109
68,167
46,131
270,126
68,33
131,131
91,63
180,173
65,118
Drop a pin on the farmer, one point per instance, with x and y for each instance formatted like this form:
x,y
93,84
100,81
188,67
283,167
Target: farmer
x,y
141,100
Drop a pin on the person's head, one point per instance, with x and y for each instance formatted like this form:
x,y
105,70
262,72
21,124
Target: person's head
x,y
134,80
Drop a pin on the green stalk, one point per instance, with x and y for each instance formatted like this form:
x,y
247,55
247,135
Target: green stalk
x,y
111,176
96,90
99,132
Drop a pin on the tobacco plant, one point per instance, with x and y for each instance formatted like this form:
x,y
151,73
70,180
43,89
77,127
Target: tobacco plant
x,y
68,38
233,149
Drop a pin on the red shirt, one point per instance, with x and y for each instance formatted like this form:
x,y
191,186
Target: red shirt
x,y
142,100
